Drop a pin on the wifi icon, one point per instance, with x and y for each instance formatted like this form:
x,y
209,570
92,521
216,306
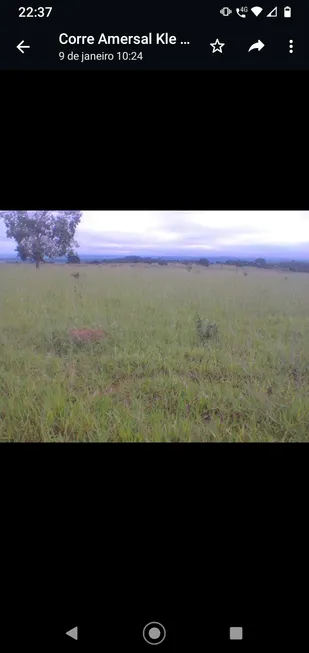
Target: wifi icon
x,y
256,10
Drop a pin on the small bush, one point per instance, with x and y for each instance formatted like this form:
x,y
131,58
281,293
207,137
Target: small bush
x,y
72,257
205,330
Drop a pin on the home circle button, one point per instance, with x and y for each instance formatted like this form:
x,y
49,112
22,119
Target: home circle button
x,y
154,633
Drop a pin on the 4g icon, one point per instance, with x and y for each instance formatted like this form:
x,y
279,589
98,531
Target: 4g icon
x,y
242,12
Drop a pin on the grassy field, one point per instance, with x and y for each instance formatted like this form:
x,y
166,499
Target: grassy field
x,y
152,379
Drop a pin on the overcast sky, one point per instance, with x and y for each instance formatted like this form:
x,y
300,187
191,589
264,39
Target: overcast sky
x,y
243,233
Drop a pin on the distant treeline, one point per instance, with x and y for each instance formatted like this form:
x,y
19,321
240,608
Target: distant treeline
x,y
292,266
140,259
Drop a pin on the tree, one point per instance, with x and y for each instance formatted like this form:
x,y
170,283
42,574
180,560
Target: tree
x,y
72,257
203,261
260,263
22,252
41,233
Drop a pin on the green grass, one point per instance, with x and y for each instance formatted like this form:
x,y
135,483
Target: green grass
x,y
152,379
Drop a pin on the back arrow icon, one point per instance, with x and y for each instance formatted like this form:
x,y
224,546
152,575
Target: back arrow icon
x,y
73,632
257,46
21,47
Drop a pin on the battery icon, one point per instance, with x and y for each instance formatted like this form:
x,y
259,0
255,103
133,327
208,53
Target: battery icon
x,y
287,12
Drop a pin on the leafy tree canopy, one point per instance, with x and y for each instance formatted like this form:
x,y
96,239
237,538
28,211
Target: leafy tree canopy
x,y
41,233
260,262
72,257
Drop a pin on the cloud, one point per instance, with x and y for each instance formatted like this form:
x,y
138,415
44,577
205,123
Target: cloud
x,y
188,231
172,232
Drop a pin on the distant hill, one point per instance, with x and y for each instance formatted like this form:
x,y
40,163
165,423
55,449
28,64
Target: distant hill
x,y
291,264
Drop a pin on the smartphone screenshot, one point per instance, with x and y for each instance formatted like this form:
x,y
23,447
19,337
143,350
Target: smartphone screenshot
x,y
154,352
73,35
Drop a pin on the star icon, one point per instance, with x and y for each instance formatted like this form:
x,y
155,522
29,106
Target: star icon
x,y
217,46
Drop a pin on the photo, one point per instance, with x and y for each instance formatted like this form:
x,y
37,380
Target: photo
x,y
154,326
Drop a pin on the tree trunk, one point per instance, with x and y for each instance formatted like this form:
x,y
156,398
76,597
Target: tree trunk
x,y
37,257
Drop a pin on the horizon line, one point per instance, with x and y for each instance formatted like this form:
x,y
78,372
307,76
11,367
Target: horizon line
x,y
172,256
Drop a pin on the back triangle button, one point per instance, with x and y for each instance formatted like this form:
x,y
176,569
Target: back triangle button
x,y
73,633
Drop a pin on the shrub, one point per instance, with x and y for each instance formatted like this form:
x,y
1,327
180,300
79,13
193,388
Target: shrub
x,y
205,330
72,257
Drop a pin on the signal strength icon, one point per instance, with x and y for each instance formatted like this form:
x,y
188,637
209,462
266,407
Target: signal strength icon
x,y
256,10
273,13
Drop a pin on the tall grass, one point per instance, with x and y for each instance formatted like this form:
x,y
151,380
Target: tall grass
x,y
154,379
